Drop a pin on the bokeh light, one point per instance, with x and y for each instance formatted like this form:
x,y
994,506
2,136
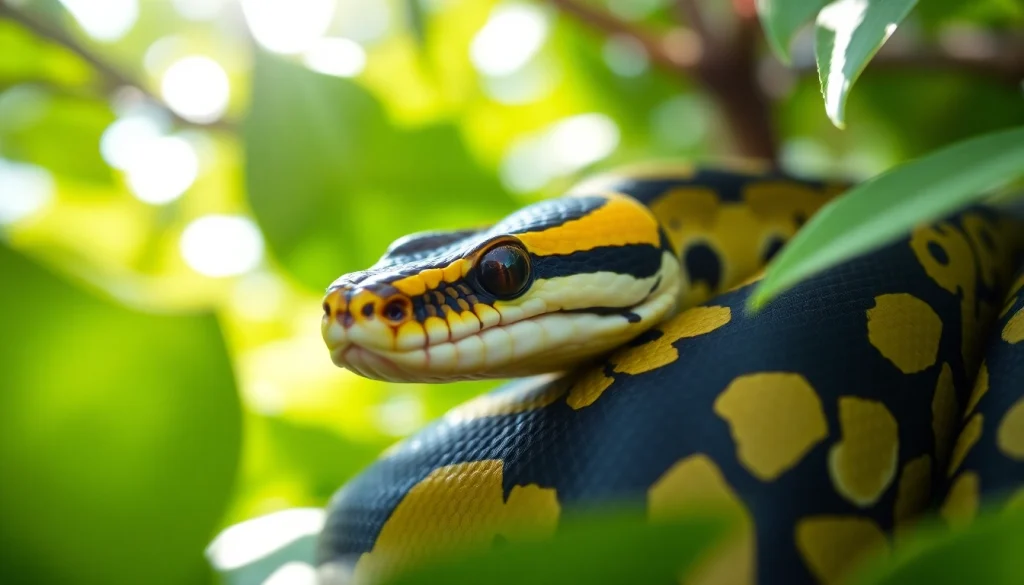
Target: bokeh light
x,y
199,9
513,34
222,245
242,543
197,89
24,190
625,56
288,26
104,20
293,573
336,56
162,169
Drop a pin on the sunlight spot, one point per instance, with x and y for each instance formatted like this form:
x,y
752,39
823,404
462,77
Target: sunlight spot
x,y
529,84
104,20
24,190
512,35
162,52
127,138
336,56
288,26
222,245
401,415
293,573
562,149
265,397
199,9
625,56
243,543
197,89
580,140
162,169
681,121
258,296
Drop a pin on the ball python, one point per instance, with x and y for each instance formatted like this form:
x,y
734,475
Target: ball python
x,y
829,421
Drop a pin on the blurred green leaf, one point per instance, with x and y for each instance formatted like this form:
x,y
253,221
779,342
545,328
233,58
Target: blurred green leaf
x,y
878,211
597,549
782,18
848,33
332,182
988,551
119,436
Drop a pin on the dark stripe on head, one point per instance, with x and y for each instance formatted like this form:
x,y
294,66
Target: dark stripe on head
x,y
637,260
548,214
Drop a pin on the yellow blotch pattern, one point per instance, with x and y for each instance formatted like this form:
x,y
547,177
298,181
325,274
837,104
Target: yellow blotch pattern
x,y
1010,437
980,388
957,275
696,483
864,463
660,352
459,506
1013,331
619,222
914,490
905,330
968,438
944,413
588,388
417,284
833,545
775,418
961,505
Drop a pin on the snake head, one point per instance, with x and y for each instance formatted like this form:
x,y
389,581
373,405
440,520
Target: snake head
x,y
553,285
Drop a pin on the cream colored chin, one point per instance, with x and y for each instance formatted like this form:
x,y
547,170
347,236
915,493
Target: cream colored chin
x,y
545,343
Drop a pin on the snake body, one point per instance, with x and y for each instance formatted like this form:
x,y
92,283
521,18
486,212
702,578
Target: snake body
x,y
829,421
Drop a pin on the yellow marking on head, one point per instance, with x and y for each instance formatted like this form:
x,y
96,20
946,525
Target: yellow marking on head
x,y
832,546
863,464
619,222
969,436
1010,436
432,277
775,418
411,285
660,352
410,336
462,304
530,394
913,492
588,388
945,410
905,330
1013,332
696,483
460,507
980,388
487,315
962,501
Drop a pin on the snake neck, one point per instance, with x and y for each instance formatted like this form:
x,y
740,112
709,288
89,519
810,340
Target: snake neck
x,y
723,225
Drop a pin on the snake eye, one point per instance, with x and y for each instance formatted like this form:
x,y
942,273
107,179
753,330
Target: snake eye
x,y
504,270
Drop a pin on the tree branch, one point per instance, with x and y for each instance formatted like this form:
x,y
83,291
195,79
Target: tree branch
x,y
111,77
1003,61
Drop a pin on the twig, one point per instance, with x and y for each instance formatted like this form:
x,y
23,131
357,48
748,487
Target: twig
x,y
111,77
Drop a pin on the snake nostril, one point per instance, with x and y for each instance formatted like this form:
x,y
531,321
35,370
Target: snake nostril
x,y
327,309
368,309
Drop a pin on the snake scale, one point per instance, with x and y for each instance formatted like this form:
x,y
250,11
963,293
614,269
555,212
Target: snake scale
x,y
829,421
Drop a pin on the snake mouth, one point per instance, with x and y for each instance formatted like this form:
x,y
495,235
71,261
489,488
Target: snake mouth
x,y
542,343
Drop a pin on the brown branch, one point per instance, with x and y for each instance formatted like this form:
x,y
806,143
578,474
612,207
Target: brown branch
x,y
1004,62
112,78
725,67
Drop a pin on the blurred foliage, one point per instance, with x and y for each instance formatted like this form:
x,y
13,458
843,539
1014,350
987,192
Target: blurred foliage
x,y
156,388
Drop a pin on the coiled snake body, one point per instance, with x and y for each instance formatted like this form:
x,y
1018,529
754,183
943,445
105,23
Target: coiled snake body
x,y
828,421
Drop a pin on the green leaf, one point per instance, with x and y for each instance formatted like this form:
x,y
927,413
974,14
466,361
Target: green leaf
x,y
885,208
611,548
782,18
333,182
119,436
848,33
987,551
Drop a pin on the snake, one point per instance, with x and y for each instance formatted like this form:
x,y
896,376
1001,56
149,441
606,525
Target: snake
x,y
830,422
